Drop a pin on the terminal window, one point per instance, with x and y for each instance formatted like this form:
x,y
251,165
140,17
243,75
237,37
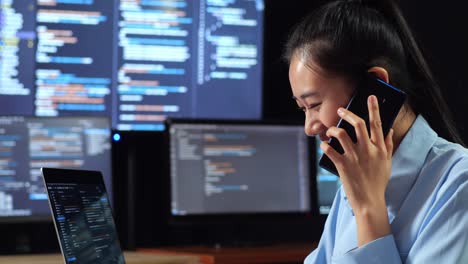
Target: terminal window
x,y
239,169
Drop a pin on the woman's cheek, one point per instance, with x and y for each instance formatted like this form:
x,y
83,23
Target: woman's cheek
x,y
329,116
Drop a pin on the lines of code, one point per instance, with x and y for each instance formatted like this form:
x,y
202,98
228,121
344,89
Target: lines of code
x,y
27,144
17,36
154,67
74,66
228,168
135,62
227,35
85,223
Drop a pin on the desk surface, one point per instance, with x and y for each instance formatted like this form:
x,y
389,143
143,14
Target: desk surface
x,y
290,253
130,258
287,253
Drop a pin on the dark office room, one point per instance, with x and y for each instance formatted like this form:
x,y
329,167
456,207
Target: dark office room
x,y
178,131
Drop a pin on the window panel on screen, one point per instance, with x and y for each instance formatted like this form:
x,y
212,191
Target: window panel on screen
x,y
73,57
136,62
17,49
227,168
188,59
29,143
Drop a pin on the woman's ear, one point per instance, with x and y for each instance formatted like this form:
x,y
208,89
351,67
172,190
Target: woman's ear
x,y
380,73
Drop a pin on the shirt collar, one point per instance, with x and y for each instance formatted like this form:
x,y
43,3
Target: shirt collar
x,y
407,162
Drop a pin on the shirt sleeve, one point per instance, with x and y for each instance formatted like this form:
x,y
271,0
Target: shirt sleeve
x,y
442,238
381,251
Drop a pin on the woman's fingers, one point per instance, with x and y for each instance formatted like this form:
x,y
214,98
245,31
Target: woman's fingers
x,y
376,131
343,138
358,123
389,144
334,156
364,141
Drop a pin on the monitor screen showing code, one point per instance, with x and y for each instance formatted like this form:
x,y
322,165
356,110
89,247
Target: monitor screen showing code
x,y
135,62
226,168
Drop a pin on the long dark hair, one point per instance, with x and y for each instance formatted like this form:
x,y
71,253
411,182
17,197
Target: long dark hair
x,y
347,37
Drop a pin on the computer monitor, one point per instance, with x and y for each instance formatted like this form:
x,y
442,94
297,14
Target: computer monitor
x,y
136,62
239,167
29,143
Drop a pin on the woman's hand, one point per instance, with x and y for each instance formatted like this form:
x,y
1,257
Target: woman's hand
x,y
364,169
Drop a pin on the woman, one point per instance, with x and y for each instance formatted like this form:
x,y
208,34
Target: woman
x,y
404,197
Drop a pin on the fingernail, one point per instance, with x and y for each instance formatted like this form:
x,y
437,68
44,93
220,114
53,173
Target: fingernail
x,y
374,99
340,111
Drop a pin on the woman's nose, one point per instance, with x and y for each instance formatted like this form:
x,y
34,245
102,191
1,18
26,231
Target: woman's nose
x,y
312,125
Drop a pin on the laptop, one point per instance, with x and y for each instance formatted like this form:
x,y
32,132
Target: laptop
x,y
82,216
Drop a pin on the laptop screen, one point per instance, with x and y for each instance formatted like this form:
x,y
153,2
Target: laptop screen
x,y
82,216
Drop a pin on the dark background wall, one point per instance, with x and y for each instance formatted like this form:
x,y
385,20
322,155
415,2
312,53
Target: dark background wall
x,y
141,167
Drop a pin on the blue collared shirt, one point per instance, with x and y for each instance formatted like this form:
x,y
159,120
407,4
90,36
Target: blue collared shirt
x,y
427,204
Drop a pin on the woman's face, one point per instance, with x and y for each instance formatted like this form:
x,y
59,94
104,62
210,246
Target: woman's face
x,y
319,96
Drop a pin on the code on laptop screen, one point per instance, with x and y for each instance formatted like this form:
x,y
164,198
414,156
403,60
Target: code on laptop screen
x,y
84,222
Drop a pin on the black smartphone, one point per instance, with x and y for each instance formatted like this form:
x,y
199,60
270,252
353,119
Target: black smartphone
x,y
390,100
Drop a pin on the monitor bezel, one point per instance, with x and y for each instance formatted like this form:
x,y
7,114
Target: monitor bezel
x,y
242,217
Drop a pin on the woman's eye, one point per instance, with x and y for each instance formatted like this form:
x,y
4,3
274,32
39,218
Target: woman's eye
x,y
314,106
303,109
